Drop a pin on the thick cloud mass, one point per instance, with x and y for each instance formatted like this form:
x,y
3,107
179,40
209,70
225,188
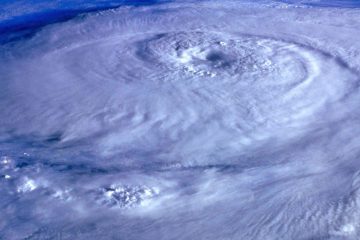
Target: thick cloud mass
x,y
204,120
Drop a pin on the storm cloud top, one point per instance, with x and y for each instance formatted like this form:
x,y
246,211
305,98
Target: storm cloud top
x,y
181,120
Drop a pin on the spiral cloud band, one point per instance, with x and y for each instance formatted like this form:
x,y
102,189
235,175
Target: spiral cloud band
x,y
192,120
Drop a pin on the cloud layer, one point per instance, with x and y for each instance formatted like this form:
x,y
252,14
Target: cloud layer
x,y
207,120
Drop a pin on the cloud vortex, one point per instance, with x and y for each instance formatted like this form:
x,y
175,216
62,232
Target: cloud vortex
x,y
178,118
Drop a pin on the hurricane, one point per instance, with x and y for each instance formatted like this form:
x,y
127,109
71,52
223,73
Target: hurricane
x,y
180,120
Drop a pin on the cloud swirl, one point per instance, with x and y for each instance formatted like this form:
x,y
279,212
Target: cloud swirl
x,y
177,118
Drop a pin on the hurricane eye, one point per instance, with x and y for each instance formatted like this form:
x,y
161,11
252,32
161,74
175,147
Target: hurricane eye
x,y
216,57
